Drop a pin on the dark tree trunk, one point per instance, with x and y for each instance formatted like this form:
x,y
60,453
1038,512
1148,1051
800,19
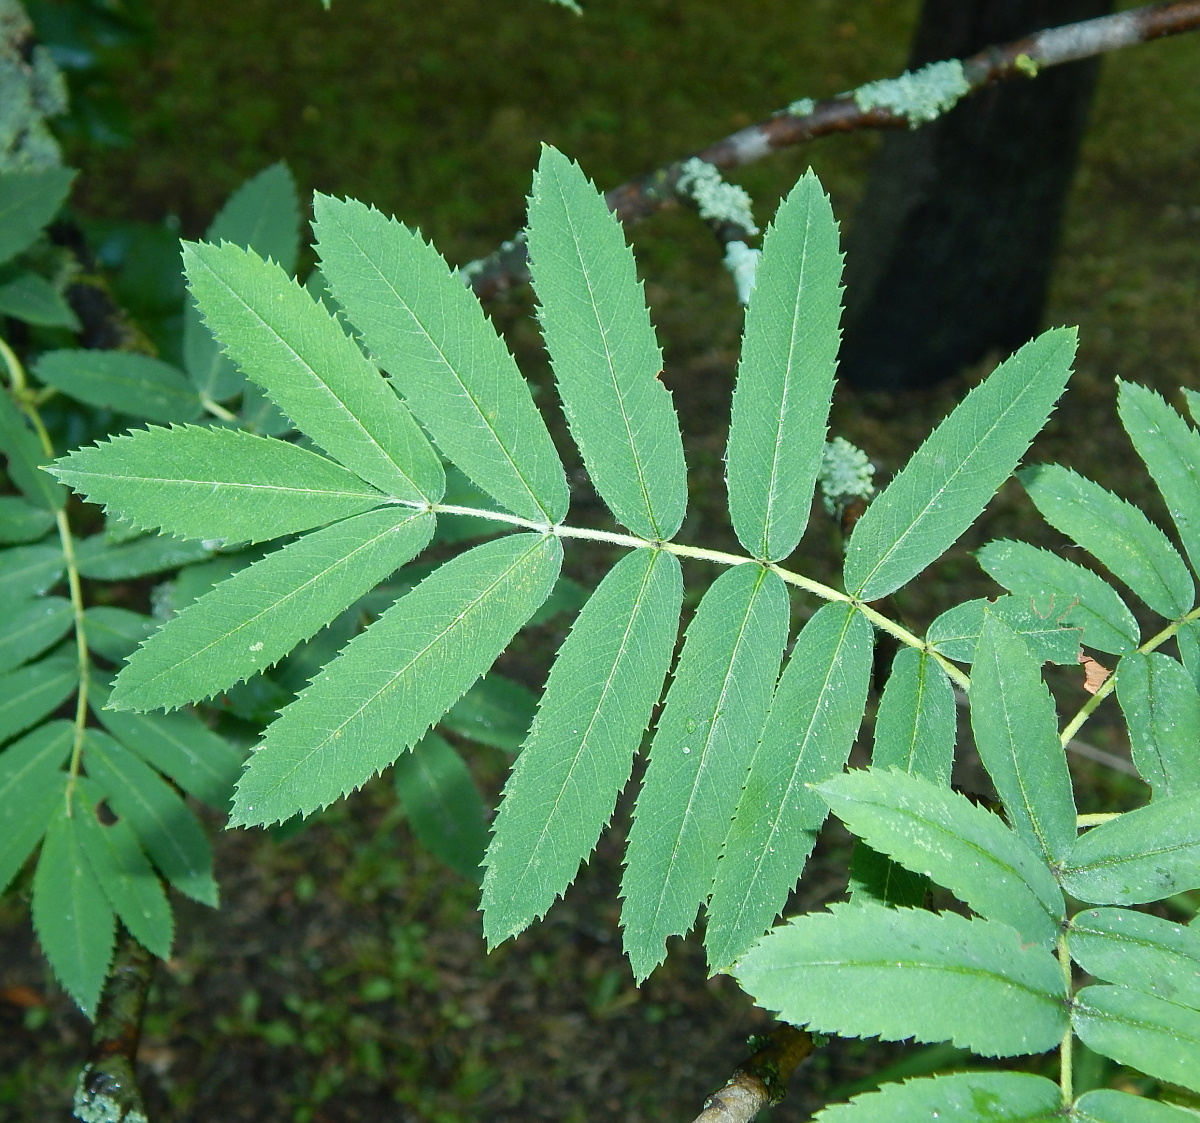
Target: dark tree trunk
x,y
950,252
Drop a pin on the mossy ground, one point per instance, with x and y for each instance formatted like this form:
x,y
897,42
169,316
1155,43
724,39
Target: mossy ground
x,y
345,978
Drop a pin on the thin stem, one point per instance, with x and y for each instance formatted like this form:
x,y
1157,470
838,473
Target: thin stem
x,y
1065,1078
217,410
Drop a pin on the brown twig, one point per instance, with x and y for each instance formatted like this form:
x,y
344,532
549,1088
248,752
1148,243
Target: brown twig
x,y
641,197
761,1080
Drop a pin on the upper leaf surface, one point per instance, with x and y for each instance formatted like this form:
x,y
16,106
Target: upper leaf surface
x,y
1016,732
257,616
814,714
950,478
710,724
964,1097
956,632
934,831
1170,449
122,380
200,482
594,711
1145,855
31,788
1064,592
865,970
430,334
1162,709
396,679
1114,532
1124,1107
25,458
602,345
286,341
785,375
917,719
28,201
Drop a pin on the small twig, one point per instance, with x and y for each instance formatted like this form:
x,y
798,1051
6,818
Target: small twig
x,y
1023,58
761,1080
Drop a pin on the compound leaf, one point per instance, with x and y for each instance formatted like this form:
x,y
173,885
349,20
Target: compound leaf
x,y
129,383
213,483
809,729
389,684
865,970
1138,1029
950,478
255,617
124,872
596,706
442,804
1170,449
916,723
430,334
1144,855
710,724
605,356
30,785
1140,951
1115,533
1162,709
963,1097
1016,733
71,915
291,346
165,826
934,831
785,375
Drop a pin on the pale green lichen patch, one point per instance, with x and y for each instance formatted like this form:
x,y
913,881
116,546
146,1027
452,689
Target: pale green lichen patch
x,y
742,263
717,200
1027,65
98,1107
846,474
802,107
919,97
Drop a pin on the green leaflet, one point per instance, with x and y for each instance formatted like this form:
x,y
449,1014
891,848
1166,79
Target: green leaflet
x,y
1122,1107
1170,449
964,1097
164,825
867,971
32,628
291,346
496,711
21,521
100,558
25,457
1145,855
1114,532
785,375
124,872
28,571
1016,732
35,300
950,478
810,727
710,724
932,830
1162,709
71,914
115,633
595,708
605,356
1135,1028
263,215
254,618
1188,639
28,201
442,804
129,383
956,632
29,693
430,334
1140,951
31,786
396,679
213,483
916,723
1064,593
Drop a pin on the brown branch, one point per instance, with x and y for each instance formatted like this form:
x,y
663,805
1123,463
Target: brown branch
x,y
641,197
762,1080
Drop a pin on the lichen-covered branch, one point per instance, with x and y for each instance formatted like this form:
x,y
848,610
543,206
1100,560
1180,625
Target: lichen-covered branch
x,y
905,102
762,1080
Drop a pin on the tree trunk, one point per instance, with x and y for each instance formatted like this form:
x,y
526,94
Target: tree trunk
x,y
950,253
